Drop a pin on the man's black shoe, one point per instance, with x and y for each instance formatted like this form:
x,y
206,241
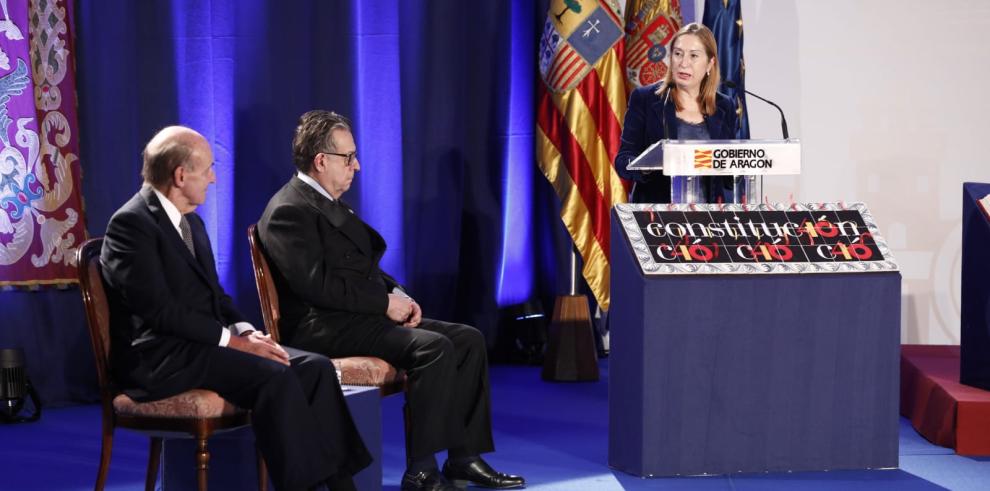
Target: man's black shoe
x,y
479,473
431,480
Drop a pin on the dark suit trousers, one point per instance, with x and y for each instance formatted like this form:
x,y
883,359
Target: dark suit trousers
x,y
446,364
301,421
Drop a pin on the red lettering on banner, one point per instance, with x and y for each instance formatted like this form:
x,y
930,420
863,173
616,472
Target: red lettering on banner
x,y
826,228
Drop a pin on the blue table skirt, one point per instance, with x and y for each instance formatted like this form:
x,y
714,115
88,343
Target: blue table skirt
x,y
748,373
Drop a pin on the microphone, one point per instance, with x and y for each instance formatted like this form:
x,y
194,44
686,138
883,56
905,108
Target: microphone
x,y
783,121
666,131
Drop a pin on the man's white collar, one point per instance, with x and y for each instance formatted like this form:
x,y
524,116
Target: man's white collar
x,y
173,213
313,184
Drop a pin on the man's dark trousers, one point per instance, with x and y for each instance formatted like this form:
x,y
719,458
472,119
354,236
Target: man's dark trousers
x,y
298,451
446,365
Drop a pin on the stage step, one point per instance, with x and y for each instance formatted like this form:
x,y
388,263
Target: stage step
x,y
944,411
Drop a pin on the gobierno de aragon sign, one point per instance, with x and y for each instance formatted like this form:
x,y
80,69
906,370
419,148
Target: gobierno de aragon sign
x,y
765,238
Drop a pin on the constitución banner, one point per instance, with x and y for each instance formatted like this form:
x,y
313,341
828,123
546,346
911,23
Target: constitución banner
x,y
749,239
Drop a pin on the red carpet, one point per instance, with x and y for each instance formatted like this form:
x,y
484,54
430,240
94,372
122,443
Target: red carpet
x,y
944,411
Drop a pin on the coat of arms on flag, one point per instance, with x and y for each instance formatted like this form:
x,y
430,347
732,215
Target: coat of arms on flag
x,y
575,36
650,24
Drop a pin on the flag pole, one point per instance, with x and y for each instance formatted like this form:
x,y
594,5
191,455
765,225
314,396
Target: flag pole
x,y
574,271
571,354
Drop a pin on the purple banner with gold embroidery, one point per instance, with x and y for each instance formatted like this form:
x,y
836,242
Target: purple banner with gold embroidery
x,y
41,221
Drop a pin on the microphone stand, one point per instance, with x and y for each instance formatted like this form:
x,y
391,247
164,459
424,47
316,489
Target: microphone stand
x,y
783,120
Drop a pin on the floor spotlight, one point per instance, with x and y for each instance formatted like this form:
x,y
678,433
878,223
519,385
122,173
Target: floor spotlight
x,y
522,333
16,389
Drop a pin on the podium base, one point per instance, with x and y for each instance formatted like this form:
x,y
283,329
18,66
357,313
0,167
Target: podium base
x,y
571,355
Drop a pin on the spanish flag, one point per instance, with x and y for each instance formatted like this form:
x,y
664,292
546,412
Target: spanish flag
x,y
582,100
650,25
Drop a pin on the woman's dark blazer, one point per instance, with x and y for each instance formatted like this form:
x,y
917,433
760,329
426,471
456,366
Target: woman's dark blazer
x,y
647,116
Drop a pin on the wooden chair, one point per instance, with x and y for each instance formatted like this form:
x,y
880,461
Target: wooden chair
x,y
355,370
196,413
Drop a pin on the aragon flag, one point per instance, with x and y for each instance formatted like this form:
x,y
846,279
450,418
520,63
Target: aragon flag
x,y
582,100
650,25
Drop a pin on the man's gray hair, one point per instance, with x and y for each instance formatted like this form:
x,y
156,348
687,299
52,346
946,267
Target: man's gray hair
x,y
313,136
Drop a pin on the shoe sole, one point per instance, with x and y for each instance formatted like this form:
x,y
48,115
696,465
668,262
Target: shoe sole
x,y
462,484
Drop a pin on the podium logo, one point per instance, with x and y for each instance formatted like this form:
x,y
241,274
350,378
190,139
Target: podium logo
x,y
702,159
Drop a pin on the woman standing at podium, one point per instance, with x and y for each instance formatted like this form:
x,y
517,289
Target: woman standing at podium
x,y
684,106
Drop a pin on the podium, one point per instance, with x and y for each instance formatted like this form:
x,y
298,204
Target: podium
x,y
744,354
688,162
975,306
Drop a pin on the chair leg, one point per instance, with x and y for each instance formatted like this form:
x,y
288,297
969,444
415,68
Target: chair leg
x,y
406,424
154,457
262,472
202,463
105,451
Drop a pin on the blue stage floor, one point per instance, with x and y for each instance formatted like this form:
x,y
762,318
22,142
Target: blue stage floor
x,y
554,434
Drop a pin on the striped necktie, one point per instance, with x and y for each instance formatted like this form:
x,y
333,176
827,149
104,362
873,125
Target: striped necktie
x,y
186,234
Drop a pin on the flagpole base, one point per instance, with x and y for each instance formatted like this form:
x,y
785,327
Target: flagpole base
x,y
571,355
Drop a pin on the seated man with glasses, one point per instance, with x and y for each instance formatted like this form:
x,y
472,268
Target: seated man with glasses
x,y
336,300
173,328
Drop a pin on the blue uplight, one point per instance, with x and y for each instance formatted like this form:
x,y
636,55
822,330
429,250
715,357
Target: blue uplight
x,y
515,277
378,120
204,72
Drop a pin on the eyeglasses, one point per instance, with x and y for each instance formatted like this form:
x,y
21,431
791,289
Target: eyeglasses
x,y
348,156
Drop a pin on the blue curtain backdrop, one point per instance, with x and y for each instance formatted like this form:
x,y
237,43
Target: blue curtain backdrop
x,y
441,93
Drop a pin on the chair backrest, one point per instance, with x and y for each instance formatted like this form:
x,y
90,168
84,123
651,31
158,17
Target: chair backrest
x,y
267,294
97,309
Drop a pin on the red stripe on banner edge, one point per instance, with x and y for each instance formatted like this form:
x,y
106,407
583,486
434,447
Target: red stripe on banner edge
x,y
620,50
551,121
609,129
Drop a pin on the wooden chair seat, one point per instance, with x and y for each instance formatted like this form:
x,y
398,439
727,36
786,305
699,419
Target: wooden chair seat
x,y
196,403
355,370
196,414
368,371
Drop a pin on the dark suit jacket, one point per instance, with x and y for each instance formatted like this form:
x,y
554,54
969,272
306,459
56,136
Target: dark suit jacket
x,y
647,116
326,260
167,307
